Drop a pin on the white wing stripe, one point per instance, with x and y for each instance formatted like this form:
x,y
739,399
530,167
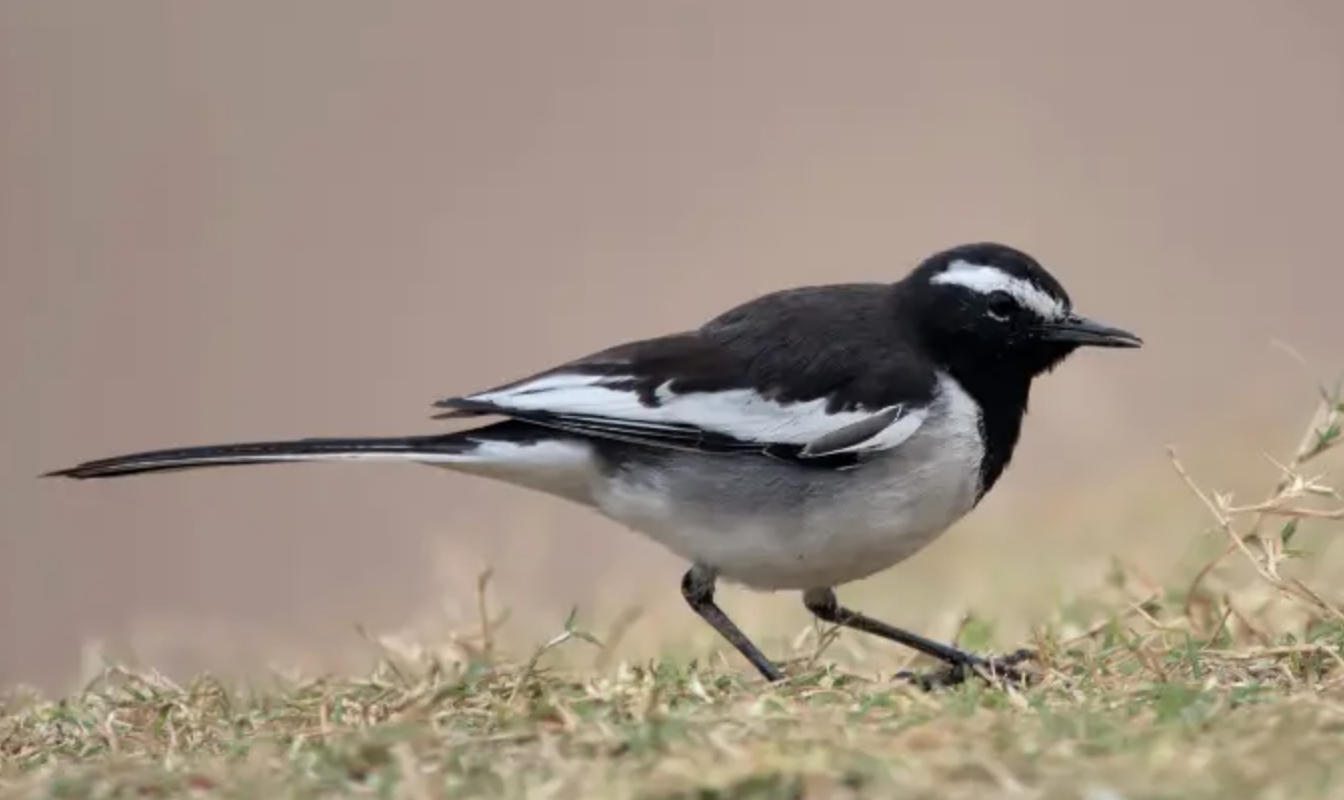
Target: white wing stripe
x,y
892,435
740,413
546,383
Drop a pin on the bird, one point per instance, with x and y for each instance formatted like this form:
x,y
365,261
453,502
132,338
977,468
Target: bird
x,y
799,441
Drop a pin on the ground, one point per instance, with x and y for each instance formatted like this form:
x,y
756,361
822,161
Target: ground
x,y
1211,688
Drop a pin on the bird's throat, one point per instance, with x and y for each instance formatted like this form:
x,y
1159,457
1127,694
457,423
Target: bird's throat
x,y
1002,395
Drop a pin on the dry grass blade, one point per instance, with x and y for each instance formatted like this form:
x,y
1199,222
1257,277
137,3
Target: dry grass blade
x,y
1321,434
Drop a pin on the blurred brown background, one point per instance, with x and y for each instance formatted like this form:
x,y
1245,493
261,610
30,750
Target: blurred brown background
x,y
250,220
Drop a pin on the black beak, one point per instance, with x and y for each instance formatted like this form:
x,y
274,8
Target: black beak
x,y
1084,332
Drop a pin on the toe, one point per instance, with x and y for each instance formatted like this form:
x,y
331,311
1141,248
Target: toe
x,y
1005,670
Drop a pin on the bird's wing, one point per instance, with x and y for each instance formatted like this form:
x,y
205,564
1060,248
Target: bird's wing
x,y
704,391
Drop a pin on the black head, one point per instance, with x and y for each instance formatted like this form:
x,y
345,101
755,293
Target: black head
x,y
997,308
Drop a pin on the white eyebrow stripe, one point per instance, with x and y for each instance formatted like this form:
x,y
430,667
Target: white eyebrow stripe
x,y
985,279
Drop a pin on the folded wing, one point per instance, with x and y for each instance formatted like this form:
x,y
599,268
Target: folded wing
x,y
691,392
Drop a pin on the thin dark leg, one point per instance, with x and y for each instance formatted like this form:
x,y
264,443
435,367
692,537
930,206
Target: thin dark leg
x,y
697,586
823,603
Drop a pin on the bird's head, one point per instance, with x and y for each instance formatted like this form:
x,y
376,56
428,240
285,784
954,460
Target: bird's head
x,y
991,304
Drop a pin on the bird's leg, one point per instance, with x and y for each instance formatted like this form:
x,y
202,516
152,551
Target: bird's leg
x,y
823,603
697,586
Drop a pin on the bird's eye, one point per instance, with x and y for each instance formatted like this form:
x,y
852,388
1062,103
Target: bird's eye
x,y
1001,305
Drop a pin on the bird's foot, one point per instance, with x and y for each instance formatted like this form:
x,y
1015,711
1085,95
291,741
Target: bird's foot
x,y
1005,670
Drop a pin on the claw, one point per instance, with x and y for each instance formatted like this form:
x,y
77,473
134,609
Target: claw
x,y
1003,669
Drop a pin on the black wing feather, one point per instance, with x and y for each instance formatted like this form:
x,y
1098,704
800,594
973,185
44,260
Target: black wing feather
x,y
842,343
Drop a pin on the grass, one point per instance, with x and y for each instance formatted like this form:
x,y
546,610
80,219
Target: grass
x,y
1226,684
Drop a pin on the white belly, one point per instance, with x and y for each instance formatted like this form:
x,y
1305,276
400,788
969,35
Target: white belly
x,y
771,527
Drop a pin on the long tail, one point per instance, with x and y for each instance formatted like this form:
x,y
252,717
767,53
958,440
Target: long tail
x,y
426,449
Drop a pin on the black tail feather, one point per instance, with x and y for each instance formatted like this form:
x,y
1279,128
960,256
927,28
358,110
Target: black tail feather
x,y
225,455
